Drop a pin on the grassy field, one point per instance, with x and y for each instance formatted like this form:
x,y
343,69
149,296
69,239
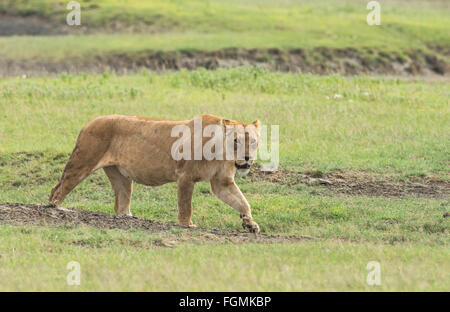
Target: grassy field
x,y
210,25
390,130
36,259
384,125
398,129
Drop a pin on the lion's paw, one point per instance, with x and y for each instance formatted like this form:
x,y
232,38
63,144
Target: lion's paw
x,y
188,225
251,226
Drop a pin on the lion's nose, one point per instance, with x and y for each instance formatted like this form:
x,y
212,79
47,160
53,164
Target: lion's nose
x,y
247,158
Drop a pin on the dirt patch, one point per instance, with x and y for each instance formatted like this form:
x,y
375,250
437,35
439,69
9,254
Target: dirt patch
x,y
44,215
31,26
320,60
31,22
360,183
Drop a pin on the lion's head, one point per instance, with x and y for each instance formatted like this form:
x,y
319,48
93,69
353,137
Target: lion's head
x,y
241,142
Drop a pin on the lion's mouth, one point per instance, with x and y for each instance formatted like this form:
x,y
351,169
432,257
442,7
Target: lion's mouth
x,y
242,167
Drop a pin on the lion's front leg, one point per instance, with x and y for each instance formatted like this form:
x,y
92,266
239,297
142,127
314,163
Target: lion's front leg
x,y
185,190
227,190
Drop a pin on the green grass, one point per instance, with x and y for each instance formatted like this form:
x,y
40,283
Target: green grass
x,y
391,127
210,25
398,126
36,259
278,209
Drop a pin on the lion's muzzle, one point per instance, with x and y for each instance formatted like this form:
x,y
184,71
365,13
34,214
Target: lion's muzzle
x,y
244,166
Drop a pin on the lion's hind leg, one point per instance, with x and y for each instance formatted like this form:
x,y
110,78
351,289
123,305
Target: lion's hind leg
x,y
74,172
123,188
85,158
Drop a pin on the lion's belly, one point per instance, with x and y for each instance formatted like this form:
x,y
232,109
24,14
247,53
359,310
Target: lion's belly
x,y
130,175
147,177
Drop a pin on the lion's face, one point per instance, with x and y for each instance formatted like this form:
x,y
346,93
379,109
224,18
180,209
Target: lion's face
x,y
244,140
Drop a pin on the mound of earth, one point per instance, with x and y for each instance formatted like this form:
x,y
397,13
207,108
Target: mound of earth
x,y
44,215
321,61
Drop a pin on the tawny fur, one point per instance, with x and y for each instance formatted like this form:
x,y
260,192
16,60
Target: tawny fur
x,y
131,148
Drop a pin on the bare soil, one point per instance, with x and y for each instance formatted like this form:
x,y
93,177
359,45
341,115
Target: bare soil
x,y
44,215
31,26
363,183
319,60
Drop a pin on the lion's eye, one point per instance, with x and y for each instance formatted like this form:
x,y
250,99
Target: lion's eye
x,y
237,141
252,142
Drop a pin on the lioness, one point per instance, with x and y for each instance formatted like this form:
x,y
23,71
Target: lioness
x,y
140,149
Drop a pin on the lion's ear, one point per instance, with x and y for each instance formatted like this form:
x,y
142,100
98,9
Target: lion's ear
x,y
257,125
226,123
